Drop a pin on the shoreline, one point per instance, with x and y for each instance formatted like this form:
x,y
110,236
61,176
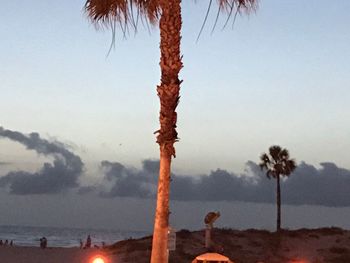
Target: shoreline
x,y
323,245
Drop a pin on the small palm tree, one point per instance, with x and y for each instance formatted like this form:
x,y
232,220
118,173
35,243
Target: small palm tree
x,y
166,14
275,165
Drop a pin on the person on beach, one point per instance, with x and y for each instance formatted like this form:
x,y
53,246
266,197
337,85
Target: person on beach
x,y
1,242
43,242
11,243
88,242
81,243
6,242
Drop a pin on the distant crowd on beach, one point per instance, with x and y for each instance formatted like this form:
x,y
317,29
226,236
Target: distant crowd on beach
x,y
6,243
86,245
43,243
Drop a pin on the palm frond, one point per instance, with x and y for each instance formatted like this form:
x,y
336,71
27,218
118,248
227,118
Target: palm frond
x,y
284,154
230,5
235,7
265,158
279,168
278,163
216,20
205,20
108,12
275,152
290,166
270,173
150,9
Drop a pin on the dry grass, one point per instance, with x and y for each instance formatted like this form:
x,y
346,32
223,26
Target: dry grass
x,y
339,250
338,255
324,245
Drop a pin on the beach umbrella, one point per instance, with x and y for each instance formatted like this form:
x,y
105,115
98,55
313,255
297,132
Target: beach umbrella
x,y
211,257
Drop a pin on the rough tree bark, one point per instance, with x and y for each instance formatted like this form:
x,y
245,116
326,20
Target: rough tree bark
x,y
168,92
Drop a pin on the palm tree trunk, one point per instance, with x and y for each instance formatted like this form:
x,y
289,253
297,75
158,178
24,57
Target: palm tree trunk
x,y
168,92
278,204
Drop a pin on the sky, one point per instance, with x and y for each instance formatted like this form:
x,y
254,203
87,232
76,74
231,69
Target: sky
x,y
277,77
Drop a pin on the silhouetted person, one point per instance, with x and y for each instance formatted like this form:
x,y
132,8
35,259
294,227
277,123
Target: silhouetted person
x,y
11,243
88,242
6,242
81,243
43,242
1,243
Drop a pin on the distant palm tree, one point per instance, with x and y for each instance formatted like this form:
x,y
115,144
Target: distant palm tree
x,y
166,14
275,165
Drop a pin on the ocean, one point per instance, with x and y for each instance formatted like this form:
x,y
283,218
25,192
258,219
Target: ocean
x,y
64,237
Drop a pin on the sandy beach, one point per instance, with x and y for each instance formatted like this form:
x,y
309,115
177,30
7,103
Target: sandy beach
x,y
325,245
52,255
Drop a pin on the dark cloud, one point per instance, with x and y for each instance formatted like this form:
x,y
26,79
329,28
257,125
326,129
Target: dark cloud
x,y
327,186
62,174
128,182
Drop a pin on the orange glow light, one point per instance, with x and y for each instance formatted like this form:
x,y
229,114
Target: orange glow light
x,y
98,260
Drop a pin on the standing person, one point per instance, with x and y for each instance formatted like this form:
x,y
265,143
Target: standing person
x,y
43,242
88,242
81,243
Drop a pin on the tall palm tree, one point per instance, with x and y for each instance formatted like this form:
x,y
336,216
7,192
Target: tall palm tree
x,y
166,14
276,165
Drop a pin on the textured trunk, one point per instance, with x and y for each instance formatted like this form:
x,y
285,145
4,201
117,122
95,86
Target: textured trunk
x,y
161,223
278,204
168,92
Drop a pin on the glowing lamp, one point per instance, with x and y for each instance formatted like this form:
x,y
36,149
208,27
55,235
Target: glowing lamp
x,y
98,260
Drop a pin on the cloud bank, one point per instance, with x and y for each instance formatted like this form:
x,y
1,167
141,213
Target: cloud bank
x,y
129,182
54,177
328,185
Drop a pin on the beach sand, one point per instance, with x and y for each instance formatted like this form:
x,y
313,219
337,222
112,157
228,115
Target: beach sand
x,y
325,245
52,255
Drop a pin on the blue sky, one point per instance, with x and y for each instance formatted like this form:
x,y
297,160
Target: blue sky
x,y
279,77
